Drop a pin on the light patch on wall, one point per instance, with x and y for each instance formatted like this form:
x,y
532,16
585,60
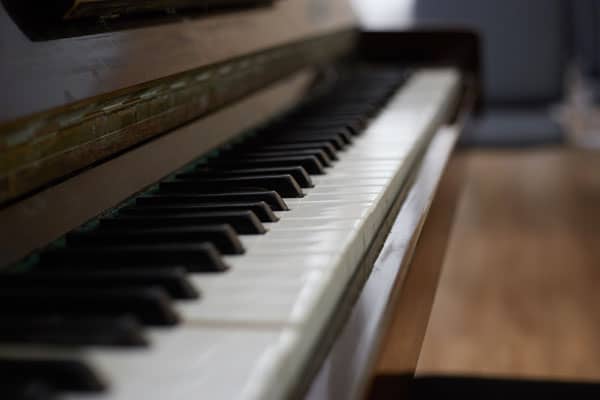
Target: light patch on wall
x,y
384,14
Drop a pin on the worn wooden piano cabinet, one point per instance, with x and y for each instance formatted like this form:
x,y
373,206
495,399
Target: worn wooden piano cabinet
x,y
202,200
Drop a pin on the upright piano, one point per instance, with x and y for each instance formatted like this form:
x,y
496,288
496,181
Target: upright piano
x,y
212,198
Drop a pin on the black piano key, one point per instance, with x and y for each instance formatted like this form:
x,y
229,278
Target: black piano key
x,y
328,123
172,280
321,155
27,390
201,257
163,220
332,139
367,110
323,146
151,306
311,164
369,96
277,138
285,185
355,120
223,237
317,134
358,118
300,175
59,374
270,197
259,208
243,222
56,330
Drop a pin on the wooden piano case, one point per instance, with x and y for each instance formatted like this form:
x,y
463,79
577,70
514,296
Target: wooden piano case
x,y
80,111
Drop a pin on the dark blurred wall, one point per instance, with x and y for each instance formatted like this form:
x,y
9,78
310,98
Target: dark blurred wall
x,y
525,43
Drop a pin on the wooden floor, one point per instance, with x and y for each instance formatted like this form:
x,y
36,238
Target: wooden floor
x,y
519,294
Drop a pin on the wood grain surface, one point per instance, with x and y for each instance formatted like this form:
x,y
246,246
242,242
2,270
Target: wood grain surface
x,y
48,214
40,75
414,294
414,291
520,287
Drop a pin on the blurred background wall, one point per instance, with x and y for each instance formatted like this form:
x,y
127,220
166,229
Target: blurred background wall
x,y
535,54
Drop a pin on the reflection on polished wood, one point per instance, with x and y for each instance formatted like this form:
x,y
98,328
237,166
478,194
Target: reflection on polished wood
x,y
520,287
67,104
414,292
74,69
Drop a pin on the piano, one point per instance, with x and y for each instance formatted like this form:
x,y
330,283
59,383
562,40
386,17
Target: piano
x,y
213,199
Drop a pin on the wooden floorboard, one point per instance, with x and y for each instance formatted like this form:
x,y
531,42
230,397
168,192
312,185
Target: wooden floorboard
x,y
519,294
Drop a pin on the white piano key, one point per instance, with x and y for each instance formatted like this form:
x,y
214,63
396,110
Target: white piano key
x,y
189,363
332,198
327,181
316,223
344,211
331,235
306,218
346,190
296,242
275,299
297,247
343,172
248,335
263,262
365,164
370,154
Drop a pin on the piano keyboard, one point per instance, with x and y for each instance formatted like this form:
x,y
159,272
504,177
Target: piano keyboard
x,y
217,282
